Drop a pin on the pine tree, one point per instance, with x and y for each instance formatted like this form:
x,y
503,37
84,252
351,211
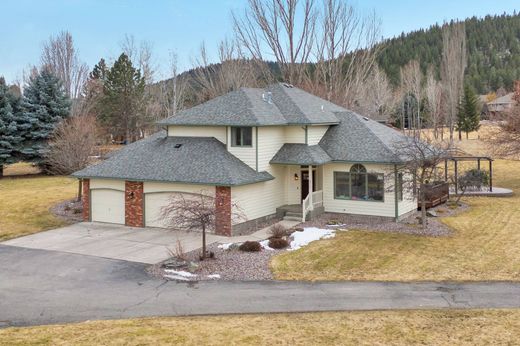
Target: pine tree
x,y
468,115
123,99
9,127
45,104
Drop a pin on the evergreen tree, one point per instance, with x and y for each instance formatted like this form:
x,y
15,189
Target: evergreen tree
x,y
122,105
99,71
45,105
468,115
9,127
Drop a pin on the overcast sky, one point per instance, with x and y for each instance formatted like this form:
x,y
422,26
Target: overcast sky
x,y
98,26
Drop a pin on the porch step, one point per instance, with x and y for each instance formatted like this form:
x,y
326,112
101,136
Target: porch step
x,y
292,218
293,214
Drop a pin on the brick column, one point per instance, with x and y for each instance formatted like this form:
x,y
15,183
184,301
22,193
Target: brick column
x,y
134,204
85,198
223,210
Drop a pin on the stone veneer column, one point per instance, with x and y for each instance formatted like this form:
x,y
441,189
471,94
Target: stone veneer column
x,y
134,204
223,210
85,198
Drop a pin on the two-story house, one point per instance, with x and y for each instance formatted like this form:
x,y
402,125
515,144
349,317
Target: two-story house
x,y
261,149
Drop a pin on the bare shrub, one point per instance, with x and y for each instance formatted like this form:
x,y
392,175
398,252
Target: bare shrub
x,y
278,230
278,243
250,246
177,251
73,141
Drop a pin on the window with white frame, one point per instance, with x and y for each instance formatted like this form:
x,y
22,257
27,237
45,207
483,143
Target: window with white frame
x,y
358,184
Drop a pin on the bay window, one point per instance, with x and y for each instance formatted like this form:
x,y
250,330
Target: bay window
x,y
358,184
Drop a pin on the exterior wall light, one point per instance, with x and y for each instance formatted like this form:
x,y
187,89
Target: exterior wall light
x,y
296,176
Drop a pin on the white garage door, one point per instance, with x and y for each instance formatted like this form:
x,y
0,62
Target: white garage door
x,y
153,202
108,206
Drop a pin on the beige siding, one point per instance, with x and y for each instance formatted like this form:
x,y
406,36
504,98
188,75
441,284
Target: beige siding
x,y
157,196
246,154
386,208
270,140
219,132
315,133
294,134
292,186
260,199
107,184
409,201
108,206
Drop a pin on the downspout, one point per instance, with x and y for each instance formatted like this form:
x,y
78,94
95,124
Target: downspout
x,y
306,135
396,198
256,146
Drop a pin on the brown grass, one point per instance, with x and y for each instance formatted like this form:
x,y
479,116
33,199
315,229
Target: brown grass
x,y
25,203
484,246
21,168
432,327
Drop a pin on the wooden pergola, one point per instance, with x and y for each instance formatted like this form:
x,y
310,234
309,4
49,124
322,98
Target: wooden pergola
x,y
478,159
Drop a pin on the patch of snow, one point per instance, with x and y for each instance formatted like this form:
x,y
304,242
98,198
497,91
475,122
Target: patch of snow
x,y
176,277
308,235
225,246
265,245
214,276
180,273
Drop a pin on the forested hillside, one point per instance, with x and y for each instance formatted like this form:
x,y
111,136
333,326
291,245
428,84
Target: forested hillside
x,y
493,45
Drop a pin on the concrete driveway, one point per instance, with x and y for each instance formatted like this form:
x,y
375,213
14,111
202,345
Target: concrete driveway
x,y
148,245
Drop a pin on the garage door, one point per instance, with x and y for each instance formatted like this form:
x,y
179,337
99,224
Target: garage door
x,y
153,202
108,206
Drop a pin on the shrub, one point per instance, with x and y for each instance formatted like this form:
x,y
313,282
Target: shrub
x,y
250,246
278,231
77,211
474,179
278,243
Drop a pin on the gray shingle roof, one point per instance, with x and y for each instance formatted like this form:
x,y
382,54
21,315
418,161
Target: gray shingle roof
x,y
301,154
359,139
198,160
251,107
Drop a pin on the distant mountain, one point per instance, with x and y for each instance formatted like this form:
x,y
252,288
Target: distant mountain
x,y
493,44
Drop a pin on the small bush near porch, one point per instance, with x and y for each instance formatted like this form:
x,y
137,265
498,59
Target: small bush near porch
x,y
483,246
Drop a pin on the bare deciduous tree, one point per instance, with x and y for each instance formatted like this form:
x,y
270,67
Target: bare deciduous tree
x,y
60,55
453,65
377,97
141,55
433,91
231,72
194,212
73,142
285,27
411,78
422,158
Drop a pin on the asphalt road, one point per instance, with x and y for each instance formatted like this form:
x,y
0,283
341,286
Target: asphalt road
x,y
46,287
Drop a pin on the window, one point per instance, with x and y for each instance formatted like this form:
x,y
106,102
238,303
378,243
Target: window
x,y
341,185
241,136
358,184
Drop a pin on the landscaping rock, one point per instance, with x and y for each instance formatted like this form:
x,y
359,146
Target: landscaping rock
x,y
431,213
175,263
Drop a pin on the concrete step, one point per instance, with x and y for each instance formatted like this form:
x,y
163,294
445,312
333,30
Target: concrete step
x,y
293,214
292,218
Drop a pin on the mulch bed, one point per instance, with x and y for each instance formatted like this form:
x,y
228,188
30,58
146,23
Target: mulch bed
x,y
70,210
247,266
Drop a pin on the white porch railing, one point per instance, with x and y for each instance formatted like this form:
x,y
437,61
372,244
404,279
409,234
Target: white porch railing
x,y
313,200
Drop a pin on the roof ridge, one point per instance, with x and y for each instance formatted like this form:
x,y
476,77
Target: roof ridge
x,y
360,119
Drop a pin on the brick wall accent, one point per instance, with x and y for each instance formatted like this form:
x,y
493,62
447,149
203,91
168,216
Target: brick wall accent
x,y
223,210
85,199
134,204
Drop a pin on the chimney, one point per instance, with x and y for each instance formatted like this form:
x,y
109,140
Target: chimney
x,y
269,97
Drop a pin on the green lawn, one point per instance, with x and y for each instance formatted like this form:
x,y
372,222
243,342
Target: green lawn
x,y
425,327
25,202
484,246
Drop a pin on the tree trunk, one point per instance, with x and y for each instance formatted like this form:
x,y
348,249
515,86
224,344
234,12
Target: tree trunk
x,y
460,135
203,256
1,171
423,208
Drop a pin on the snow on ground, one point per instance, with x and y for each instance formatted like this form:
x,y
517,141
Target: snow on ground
x,y
179,275
225,246
265,245
214,276
308,235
